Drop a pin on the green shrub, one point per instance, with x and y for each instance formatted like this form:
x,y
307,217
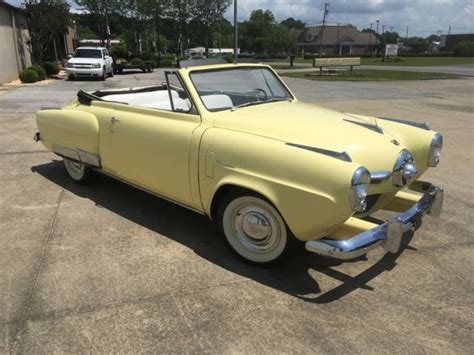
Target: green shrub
x,y
166,62
136,61
151,62
40,71
465,48
50,68
392,60
229,58
29,76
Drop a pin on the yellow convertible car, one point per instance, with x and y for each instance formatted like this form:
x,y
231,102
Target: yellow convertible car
x,y
232,142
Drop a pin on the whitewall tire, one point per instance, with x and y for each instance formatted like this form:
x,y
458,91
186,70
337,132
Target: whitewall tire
x,y
77,171
253,228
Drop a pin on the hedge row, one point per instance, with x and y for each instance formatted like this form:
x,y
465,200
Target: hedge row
x,y
38,72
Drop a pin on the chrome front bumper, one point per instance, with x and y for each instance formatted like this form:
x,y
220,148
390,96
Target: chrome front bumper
x,y
387,235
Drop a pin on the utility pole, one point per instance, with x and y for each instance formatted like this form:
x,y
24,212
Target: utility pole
x,y
378,21
370,38
391,28
235,32
326,11
449,30
337,40
406,36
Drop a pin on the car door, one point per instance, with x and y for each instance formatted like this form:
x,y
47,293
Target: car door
x,y
150,148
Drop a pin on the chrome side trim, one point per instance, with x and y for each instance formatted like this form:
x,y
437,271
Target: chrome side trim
x,y
423,125
367,125
151,192
65,152
89,158
388,235
338,155
79,155
379,176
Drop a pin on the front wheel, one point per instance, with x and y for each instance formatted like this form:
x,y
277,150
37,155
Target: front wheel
x,y
253,228
79,172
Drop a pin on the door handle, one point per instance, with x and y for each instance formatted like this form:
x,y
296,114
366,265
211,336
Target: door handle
x,y
114,120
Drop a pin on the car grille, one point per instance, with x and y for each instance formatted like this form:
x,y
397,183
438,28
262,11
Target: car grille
x,y
83,65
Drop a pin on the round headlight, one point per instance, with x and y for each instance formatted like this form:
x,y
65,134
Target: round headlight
x,y
359,187
435,150
404,169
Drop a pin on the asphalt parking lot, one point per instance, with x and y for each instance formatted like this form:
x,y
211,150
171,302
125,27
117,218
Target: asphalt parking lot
x,y
108,268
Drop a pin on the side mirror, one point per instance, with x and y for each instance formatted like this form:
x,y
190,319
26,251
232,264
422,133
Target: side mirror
x,y
69,56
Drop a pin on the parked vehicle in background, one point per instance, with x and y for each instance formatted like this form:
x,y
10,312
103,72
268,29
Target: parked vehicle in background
x,y
136,63
94,62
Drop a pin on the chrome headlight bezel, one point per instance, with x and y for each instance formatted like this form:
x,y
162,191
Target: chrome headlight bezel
x,y
70,65
436,146
404,169
359,187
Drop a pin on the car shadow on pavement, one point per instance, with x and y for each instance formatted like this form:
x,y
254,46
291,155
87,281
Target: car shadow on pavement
x,y
198,233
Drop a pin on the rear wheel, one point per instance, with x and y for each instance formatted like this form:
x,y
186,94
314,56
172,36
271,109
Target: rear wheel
x,y
79,172
104,75
254,228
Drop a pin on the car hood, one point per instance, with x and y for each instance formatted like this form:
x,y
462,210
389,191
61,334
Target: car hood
x,y
310,125
84,60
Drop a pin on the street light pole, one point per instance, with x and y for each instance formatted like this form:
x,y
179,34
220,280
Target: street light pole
x,y
235,32
370,38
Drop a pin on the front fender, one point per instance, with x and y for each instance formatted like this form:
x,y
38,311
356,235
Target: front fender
x,y
310,190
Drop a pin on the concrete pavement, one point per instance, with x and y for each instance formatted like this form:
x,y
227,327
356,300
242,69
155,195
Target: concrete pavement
x,y
108,268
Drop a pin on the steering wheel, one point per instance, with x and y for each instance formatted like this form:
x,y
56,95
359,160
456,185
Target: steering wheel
x,y
257,92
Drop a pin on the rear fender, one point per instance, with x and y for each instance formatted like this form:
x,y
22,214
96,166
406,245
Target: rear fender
x,y
70,133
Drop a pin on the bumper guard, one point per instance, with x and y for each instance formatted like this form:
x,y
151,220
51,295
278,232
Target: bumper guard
x,y
387,235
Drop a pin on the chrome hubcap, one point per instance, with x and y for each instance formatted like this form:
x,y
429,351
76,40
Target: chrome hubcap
x,y
256,228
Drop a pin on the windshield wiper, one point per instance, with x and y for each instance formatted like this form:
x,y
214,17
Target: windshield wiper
x,y
251,103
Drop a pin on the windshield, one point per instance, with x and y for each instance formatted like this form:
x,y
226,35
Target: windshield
x,y
88,53
229,88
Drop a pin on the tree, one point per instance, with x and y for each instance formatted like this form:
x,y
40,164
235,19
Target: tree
x,y
48,20
207,13
433,38
417,44
101,10
293,24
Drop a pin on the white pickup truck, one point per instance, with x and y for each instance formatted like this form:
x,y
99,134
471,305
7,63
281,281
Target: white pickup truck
x,y
90,62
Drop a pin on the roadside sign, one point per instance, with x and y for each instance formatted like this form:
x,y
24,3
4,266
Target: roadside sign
x,y
391,50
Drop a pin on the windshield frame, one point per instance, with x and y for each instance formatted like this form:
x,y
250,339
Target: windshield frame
x,y
291,97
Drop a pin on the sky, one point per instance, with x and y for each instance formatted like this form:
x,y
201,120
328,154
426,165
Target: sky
x,y
423,17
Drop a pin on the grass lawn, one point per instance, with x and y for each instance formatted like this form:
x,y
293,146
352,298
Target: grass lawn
x,y
411,61
421,61
370,75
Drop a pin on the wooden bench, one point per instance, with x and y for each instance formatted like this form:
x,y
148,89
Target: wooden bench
x,y
335,62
